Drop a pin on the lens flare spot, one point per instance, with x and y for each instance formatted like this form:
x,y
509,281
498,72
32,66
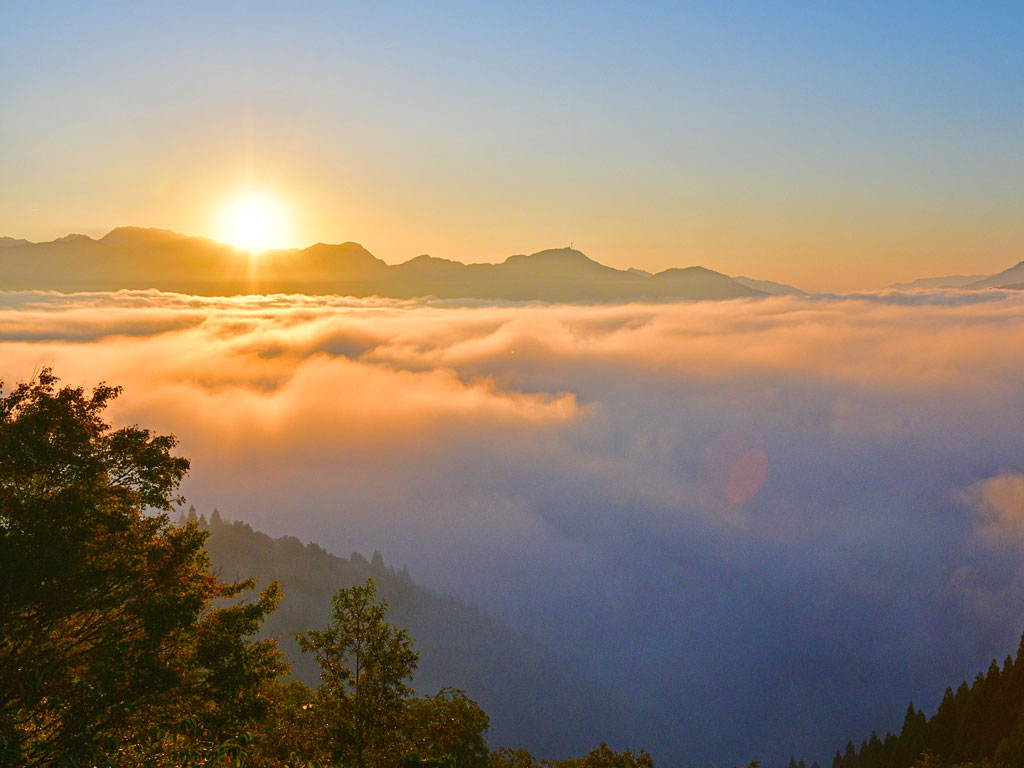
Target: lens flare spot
x,y
747,476
734,468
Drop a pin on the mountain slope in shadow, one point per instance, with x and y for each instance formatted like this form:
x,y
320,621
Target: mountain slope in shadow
x,y
535,699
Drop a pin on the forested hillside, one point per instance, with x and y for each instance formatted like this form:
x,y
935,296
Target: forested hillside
x,y
533,698
121,645
980,722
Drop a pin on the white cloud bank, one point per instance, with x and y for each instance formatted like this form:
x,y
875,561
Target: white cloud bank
x,y
755,505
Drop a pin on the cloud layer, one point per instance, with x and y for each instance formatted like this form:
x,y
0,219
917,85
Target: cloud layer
x,y
775,517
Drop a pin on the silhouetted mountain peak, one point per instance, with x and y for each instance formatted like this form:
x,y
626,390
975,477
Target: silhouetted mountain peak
x,y
688,272
348,250
424,259
347,256
136,257
119,234
138,239
426,267
561,256
706,283
348,246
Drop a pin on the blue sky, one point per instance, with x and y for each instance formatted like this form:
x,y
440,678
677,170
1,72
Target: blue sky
x,y
827,144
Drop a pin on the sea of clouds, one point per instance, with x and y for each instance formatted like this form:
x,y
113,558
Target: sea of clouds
x,y
767,522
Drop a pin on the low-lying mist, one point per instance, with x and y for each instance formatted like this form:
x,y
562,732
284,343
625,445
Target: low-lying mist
x,y
768,522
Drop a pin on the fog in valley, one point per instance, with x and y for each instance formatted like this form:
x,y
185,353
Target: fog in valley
x,y
779,517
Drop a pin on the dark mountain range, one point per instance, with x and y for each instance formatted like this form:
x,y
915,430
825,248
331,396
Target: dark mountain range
x,y
130,257
534,698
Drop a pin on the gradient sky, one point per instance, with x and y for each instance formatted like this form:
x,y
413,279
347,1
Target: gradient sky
x,y
835,146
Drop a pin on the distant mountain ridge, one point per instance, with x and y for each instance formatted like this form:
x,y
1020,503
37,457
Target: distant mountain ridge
x,y
770,287
1008,278
948,281
136,258
1012,278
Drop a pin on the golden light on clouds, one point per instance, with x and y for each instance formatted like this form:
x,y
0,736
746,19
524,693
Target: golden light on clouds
x,y
254,221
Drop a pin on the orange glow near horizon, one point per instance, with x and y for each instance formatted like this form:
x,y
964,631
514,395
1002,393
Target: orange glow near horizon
x,y
255,222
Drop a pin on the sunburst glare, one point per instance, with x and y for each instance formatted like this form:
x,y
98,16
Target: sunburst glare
x,y
254,221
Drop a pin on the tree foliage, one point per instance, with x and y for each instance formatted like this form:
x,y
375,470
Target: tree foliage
x,y
978,724
120,647
446,725
602,757
106,615
365,664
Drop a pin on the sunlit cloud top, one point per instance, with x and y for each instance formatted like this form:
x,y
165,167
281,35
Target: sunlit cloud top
x,y
800,495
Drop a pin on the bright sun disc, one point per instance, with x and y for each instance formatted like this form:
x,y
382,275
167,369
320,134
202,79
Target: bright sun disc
x,y
253,222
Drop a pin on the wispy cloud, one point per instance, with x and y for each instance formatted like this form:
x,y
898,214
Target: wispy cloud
x,y
999,501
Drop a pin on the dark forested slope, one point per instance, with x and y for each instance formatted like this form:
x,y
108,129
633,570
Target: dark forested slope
x,y
983,721
534,699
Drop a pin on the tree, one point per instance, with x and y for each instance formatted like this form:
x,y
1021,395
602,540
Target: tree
x,y
364,663
106,618
448,725
506,757
605,757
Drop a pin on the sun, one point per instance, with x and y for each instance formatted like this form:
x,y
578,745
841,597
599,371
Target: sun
x,y
253,221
